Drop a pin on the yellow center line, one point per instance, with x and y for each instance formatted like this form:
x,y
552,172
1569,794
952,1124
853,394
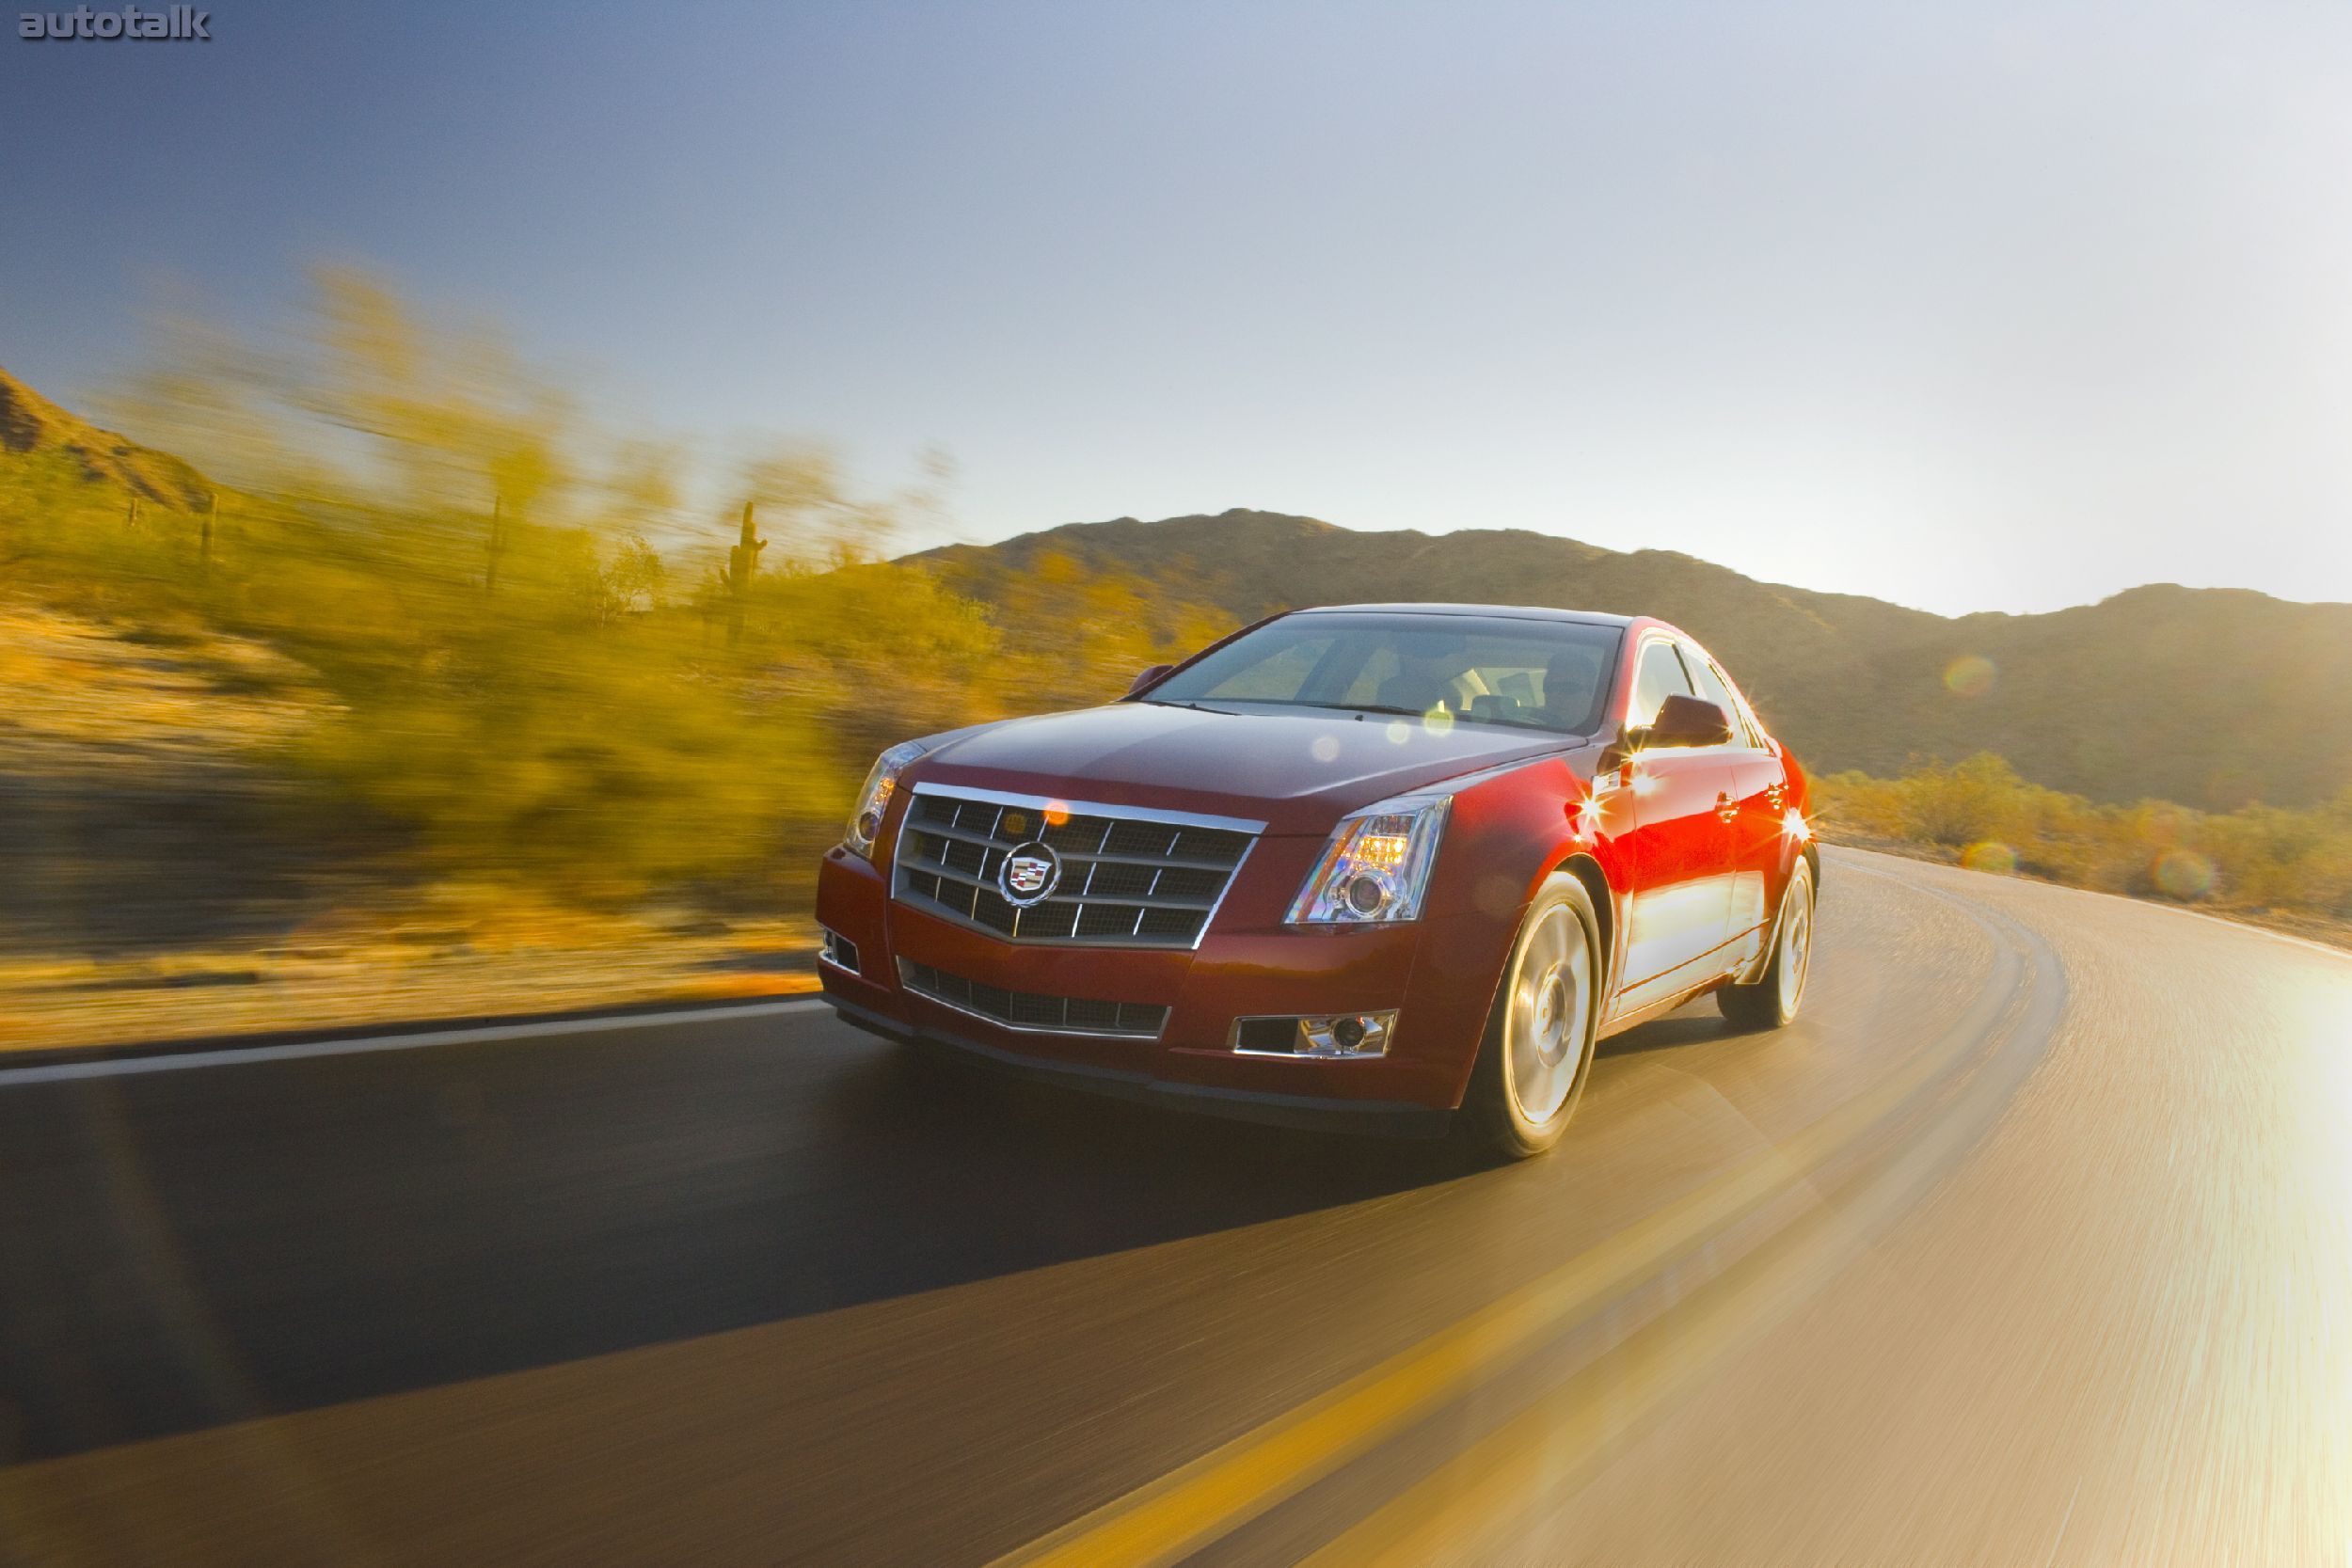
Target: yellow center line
x,y
1540,1452
1493,1486
1165,1519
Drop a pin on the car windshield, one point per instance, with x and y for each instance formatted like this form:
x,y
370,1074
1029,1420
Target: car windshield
x,y
1477,669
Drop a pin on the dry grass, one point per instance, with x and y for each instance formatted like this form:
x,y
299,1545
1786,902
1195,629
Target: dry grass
x,y
387,976
109,736
168,698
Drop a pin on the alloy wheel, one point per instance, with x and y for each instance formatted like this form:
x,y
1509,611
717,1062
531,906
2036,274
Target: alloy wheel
x,y
1551,998
1796,946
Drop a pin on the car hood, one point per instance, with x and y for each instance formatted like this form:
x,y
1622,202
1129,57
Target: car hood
x,y
1296,771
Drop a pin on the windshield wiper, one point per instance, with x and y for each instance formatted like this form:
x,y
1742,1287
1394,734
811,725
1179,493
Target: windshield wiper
x,y
1525,724
1418,713
1359,709
1369,708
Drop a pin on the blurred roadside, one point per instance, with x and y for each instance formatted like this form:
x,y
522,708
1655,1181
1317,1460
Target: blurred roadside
x,y
423,696
158,885
418,695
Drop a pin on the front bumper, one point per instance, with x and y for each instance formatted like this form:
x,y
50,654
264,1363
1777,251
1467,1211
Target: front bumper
x,y
1248,964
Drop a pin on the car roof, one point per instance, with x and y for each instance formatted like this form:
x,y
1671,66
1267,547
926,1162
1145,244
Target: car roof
x,y
1505,611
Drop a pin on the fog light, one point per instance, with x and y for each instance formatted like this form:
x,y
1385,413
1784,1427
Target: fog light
x,y
1345,1035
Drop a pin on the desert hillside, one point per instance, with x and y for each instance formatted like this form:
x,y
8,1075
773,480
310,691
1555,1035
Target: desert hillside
x,y
42,442
2210,697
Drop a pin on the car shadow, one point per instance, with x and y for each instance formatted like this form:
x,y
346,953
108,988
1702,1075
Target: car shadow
x,y
979,1173
1695,1024
188,1249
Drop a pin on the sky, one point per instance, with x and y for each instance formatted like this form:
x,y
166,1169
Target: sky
x,y
1994,306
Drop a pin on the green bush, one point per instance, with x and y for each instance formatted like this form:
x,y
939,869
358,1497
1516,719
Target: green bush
x,y
2257,857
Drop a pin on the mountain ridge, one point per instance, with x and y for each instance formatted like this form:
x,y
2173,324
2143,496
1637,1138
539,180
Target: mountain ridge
x,y
2209,697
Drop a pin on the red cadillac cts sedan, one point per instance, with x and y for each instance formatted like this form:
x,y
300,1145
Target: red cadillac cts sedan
x,y
1379,866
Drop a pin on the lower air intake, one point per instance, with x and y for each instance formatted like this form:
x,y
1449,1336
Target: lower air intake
x,y
1033,1011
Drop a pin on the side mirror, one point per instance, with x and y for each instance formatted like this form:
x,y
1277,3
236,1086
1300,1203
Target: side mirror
x,y
1149,675
1686,721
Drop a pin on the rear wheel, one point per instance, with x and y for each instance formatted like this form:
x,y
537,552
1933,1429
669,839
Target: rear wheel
x,y
1539,1038
1772,1001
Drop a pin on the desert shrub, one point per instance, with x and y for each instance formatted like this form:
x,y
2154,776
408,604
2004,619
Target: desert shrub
x,y
536,664
1977,800
1982,812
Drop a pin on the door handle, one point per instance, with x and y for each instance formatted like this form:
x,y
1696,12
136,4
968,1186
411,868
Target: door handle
x,y
1725,807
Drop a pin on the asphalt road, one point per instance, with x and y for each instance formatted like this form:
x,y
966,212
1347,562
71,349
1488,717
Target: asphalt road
x,y
2030,1243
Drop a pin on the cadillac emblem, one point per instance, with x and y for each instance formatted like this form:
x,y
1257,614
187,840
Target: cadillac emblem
x,y
1029,875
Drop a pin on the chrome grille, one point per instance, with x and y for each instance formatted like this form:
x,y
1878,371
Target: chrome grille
x,y
1033,1011
1130,877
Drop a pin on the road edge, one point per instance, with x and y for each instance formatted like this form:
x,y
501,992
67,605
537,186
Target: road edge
x,y
47,1064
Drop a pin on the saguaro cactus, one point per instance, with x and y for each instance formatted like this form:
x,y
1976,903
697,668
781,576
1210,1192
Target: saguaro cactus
x,y
743,561
498,543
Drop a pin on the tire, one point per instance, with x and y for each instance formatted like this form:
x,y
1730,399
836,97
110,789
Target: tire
x,y
1772,1002
1538,1047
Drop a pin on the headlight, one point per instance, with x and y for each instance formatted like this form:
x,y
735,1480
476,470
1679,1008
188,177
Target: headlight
x,y
873,800
1376,865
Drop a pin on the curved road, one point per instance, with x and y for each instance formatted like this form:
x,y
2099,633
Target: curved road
x,y
2030,1243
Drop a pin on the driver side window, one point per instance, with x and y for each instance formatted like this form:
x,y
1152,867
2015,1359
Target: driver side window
x,y
1658,676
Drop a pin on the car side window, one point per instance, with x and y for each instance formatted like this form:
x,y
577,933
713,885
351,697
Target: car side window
x,y
1658,676
1763,738
1715,689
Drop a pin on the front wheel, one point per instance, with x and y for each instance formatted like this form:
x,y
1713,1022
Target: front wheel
x,y
1772,1001
1538,1048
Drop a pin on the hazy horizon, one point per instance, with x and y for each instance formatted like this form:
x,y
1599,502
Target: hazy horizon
x,y
1556,533
2007,313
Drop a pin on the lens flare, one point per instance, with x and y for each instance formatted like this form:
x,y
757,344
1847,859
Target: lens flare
x,y
1971,675
1990,856
2182,874
1325,749
1439,720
